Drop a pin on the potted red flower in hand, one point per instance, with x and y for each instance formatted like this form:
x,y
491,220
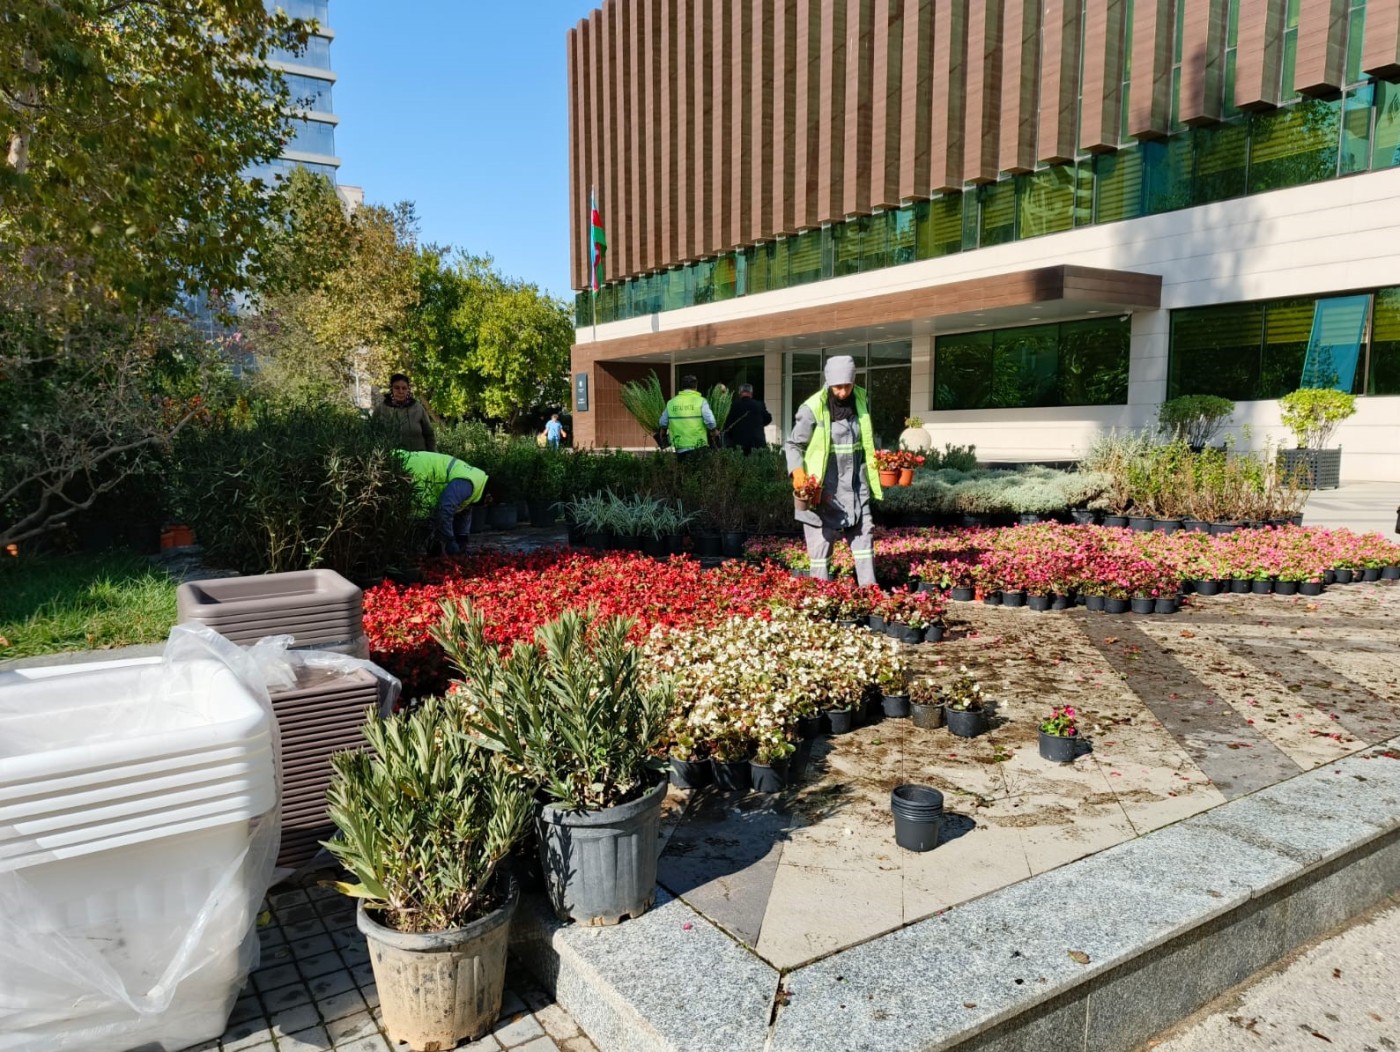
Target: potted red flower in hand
x,y
889,462
809,494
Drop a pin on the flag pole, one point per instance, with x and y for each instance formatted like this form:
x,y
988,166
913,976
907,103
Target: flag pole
x,y
593,260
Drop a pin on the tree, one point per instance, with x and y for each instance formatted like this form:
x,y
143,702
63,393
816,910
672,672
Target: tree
x,y
336,294
484,345
129,126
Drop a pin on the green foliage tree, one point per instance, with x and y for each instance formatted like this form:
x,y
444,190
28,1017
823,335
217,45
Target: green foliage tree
x,y
129,128
485,345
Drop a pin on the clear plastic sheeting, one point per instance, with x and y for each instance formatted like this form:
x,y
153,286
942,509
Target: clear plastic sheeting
x,y
138,828
284,668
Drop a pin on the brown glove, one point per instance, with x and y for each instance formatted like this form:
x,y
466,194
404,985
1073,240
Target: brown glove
x,y
799,478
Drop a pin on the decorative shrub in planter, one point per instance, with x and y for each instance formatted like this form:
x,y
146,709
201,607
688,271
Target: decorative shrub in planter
x,y
1313,414
1059,735
426,816
581,684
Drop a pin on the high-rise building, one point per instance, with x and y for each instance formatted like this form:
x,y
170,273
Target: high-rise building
x,y
1027,220
310,79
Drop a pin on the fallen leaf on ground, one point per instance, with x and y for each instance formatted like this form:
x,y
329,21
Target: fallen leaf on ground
x,y
1078,956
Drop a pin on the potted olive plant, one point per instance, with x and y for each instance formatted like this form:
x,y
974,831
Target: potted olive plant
x,y
575,714
426,816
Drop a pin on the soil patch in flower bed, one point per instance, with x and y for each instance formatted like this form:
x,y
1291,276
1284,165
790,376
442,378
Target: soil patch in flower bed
x,y
1246,712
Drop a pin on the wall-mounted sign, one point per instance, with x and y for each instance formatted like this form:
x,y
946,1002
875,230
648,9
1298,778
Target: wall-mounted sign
x,y
580,392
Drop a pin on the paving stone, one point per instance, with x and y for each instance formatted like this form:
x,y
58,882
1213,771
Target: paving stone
x,y
371,1043
324,986
291,1020
578,1044
313,1039
320,964
485,1044
246,1037
245,1008
516,1028
285,997
351,1027
311,945
539,1044
339,1005
557,1023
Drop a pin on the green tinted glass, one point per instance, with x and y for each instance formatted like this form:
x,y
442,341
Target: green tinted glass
x,y
726,277
1356,129
1215,351
1287,326
875,239
704,281
846,240
1383,377
805,257
892,352
902,231
1385,140
1094,358
1045,201
1119,178
1221,156
778,266
1294,146
938,227
1355,36
889,403
805,362
962,371
1166,174
1025,363
998,223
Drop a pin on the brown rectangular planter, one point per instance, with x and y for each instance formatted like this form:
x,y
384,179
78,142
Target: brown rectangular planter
x,y
316,607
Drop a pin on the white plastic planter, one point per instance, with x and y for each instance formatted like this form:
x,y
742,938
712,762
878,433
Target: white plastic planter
x,y
138,818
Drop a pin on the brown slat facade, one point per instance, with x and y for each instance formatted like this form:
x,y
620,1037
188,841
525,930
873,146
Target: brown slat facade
x,y
1380,55
707,125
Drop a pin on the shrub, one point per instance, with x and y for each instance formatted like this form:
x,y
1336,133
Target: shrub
x,y
1194,419
295,490
958,458
1313,414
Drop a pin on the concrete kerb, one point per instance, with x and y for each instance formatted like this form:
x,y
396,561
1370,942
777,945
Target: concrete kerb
x,y
1098,955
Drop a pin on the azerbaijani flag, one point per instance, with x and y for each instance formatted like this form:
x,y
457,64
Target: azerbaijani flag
x,y
599,241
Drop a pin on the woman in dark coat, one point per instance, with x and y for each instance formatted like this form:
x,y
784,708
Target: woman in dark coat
x,y
406,416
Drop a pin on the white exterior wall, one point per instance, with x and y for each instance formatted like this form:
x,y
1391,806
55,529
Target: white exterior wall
x,y
1335,236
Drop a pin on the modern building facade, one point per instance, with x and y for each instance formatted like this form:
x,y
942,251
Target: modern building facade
x,y
1029,220
310,79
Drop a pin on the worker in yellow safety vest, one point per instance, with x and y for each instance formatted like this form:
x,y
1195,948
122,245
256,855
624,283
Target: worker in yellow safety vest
x,y
447,488
688,419
832,441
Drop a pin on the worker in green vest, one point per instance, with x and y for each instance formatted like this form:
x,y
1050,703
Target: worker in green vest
x,y
688,419
447,489
832,441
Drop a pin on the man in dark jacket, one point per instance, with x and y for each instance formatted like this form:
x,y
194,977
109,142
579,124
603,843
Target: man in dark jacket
x,y
747,419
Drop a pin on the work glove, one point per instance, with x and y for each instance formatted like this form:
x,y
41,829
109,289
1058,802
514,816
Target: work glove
x,y
799,478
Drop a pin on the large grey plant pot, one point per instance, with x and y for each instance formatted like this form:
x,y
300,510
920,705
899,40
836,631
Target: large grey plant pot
x,y
600,866
1322,468
439,988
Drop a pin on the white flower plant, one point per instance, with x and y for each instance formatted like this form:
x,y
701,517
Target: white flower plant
x,y
736,700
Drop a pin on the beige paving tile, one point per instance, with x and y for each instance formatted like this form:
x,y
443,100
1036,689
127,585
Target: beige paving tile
x,y
980,861
813,912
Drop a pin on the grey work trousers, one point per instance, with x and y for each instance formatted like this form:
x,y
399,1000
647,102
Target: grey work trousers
x,y
822,539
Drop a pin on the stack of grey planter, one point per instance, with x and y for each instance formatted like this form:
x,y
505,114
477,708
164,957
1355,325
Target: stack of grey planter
x,y
322,714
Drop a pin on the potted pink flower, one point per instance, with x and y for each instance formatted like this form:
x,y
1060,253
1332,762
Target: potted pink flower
x,y
1059,735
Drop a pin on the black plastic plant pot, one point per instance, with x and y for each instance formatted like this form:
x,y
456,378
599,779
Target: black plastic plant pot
x,y
809,727
1343,574
1143,604
1310,588
965,723
1205,586
1371,573
1119,521
1056,748
1241,585
1039,603
1261,586
732,543
1061,602
1094,603
896,706
798,762
1285,588
875,622
934,634
732,776
656,548
963,595
1390,573
769,777
992,599
691,774
841,720
926,717
903,633
1166,604
1219,529
918,816
708,545
1140,523
1083,516
1195,525
1166,525
1015,599
1115,606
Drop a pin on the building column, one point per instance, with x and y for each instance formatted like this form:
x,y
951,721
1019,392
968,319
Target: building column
x,y
1147,364
775,395
921,377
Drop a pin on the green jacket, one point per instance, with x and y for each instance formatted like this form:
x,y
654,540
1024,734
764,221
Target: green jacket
x,y
814,461
685,421
432,471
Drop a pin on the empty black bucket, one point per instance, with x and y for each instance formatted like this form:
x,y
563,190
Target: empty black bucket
x,y
918,816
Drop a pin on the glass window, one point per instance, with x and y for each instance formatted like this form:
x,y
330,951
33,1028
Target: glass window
x,y
894,352
889,403
726,277
1356,129
1045,201
309,93
1354,37
1385,150
805,362
1383,374
805,257
1215,351
938,227
704,286
778,267
846,239
1334,345
728,371
741,273
1025,362
962,371
998,224
317,54
757,258
1093,367
1287,324
300,8
902,230
1119,179
875,240
1294,146
311,137
1166,175
1221,156
803,386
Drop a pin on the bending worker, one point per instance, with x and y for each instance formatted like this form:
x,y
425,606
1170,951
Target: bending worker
x,y
447,489
833,441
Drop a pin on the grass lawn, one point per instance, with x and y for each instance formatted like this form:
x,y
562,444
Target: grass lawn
x,y
90,601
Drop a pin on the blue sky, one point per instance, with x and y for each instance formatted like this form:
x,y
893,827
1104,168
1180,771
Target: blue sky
x,y
461,106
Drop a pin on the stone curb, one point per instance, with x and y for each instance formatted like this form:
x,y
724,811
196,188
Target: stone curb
x,y
1098,955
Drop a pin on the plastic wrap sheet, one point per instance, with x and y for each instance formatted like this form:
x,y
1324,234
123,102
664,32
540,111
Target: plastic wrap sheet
x,y
279,659
142,936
